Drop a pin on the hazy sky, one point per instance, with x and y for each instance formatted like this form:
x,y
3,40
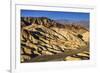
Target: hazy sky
x,y
56,15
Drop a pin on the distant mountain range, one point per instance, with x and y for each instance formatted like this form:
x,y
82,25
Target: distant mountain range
x,y
49,22
69,22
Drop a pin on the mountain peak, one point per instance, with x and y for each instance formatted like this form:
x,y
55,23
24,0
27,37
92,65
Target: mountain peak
x,y
45,21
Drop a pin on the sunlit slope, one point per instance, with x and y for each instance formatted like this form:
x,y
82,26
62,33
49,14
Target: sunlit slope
x,y
42,36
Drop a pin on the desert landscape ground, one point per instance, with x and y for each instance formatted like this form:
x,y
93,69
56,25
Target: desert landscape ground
x,y
44,39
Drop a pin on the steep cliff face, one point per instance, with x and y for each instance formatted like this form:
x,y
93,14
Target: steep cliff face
x,y
42,36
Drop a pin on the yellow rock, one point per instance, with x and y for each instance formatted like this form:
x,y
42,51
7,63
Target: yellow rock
x,y
69,58
82,54
53,50
28,51
86,52
36,52
25,57
86,36
46,53
32,45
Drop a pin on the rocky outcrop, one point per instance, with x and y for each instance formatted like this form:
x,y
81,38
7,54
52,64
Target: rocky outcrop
x,y
42,36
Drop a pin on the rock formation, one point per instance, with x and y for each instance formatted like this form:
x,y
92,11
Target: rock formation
x,y
41,36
